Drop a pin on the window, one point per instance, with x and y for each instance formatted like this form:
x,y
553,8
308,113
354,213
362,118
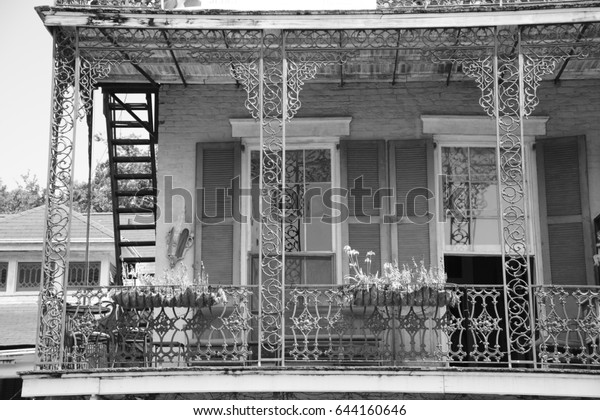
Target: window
x,y
3,276
77,274
29,276
470,200
308,241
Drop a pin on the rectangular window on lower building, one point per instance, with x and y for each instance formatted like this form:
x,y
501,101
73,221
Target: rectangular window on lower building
x,y
30,276
3,276
77,274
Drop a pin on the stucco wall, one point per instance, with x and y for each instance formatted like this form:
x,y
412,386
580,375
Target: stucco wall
x,y
379,111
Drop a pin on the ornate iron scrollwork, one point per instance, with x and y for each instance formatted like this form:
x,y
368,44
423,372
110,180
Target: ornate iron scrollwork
x,y
74,80
58,204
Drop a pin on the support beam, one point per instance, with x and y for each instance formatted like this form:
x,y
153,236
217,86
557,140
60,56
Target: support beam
x,y
451,64
237,82
394,75
571,53
128,58
175,60
341,64
450,67
513,199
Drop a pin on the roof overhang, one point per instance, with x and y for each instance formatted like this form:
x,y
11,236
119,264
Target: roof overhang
x,y
540,14
197,47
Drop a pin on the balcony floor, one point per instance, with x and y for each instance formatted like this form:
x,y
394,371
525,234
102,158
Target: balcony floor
x,y
565,383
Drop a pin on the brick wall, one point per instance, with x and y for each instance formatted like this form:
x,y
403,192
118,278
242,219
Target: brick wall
x,y
379,111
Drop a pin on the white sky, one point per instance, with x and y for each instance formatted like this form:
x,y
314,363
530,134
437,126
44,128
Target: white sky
x,y
26,77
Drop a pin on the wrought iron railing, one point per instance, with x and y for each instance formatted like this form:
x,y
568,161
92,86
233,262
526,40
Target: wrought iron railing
x,y
381,4
568,325
158,327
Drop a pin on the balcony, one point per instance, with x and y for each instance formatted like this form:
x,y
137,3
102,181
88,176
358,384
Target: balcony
x,y
327,326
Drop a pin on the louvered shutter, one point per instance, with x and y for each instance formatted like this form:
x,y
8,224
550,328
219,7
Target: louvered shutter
x,y
411,175
365,231
564,211
217,234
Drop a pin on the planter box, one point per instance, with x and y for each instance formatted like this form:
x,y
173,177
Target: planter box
x,y
143,299
425,296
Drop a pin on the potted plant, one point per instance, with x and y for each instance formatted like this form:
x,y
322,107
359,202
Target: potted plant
x,y
406,285
173,290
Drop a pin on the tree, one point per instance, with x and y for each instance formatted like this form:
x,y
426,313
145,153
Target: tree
x,y
27,195
101,186
101,191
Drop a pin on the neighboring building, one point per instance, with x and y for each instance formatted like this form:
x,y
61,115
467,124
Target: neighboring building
x,y
464,136
21,244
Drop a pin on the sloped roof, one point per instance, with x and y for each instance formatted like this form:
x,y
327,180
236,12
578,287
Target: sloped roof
x,y
18,325
29,225
106,220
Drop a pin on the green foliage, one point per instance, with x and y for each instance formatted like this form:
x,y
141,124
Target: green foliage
x,y
27,195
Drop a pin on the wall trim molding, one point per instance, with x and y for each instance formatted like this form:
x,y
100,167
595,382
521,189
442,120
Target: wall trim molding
x,y
476,125
246,128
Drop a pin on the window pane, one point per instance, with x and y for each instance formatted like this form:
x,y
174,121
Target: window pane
x,y
455,161
308,178
484,199
302,270
294,167
318,165
30,276
319,270
318,235
3,276
77,274
483,163
485,231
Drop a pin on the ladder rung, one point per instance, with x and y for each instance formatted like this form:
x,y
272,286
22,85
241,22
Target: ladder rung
x,y
127,159
133,106
138,193
138,227
131,260
131,142
133,176
129,210
136,243
128,124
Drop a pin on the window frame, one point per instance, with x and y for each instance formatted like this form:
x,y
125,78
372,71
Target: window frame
x,y
531,183
18,276
297,143
98,268
481,249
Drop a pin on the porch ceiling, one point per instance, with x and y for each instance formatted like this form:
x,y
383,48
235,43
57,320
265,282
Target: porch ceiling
x,y
373,55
